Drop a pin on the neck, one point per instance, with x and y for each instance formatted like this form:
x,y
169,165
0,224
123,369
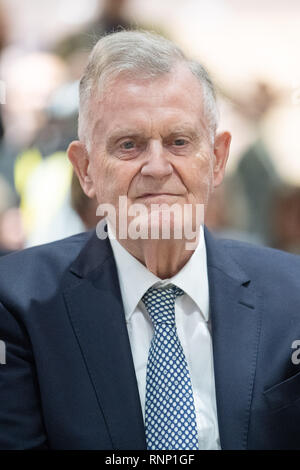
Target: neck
x,y
164,258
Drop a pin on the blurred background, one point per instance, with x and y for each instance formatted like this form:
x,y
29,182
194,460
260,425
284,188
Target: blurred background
x,y
250,48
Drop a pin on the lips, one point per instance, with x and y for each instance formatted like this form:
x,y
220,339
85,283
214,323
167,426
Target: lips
x,y
156,195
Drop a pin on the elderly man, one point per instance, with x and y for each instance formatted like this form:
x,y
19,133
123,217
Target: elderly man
x,y
141,340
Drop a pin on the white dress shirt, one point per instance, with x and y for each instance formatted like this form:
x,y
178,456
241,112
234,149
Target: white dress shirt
x,y
192,322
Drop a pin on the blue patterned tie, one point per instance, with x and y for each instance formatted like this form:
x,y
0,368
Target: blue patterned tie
x,y
170,417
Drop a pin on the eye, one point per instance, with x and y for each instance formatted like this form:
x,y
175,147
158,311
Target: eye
x,y
179,142
128,145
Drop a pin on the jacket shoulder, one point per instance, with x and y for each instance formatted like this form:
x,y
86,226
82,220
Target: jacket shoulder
x,y
263,262
39,266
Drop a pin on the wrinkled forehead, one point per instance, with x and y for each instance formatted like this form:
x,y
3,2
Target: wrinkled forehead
x,y
178,89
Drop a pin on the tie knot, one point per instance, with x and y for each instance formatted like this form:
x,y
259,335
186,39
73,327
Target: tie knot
x,y
160,304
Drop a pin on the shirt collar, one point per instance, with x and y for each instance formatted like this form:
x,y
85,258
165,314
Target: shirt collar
x,y
135,279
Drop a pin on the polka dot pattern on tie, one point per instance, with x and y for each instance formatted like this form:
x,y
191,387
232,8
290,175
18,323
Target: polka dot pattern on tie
x,y
170,417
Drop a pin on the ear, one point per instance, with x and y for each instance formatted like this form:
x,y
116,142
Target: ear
x,y
221,152
79,157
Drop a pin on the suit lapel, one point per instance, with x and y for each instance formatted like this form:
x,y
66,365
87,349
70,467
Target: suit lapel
x,y
235,317
96,312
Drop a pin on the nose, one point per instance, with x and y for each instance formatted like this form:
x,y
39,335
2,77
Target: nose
x,y
156,164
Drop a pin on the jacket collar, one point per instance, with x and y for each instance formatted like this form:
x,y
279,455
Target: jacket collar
x,y
96,252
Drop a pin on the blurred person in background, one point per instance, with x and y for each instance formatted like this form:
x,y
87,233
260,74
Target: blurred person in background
x,y
33,158
31,78
249,191
1,127
286,219
111,19
256,171
227,212
2,45
12,234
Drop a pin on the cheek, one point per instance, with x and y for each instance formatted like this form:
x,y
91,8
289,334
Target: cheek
x,y
198,175
112,178
100,173
97,172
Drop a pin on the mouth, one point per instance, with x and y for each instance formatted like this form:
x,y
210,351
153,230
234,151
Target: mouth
x,y
153,195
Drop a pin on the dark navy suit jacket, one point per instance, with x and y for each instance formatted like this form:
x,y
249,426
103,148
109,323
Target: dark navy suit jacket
x,y
69,380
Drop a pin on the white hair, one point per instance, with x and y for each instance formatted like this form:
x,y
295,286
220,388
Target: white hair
x,y
137,54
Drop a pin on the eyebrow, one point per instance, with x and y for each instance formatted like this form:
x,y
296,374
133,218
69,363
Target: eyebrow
x,y
133,132
125,132
185,130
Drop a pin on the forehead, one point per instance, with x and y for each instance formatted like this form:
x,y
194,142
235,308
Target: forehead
x,y
165,100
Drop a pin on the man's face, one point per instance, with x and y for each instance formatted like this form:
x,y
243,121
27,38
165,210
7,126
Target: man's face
x,y
150,142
